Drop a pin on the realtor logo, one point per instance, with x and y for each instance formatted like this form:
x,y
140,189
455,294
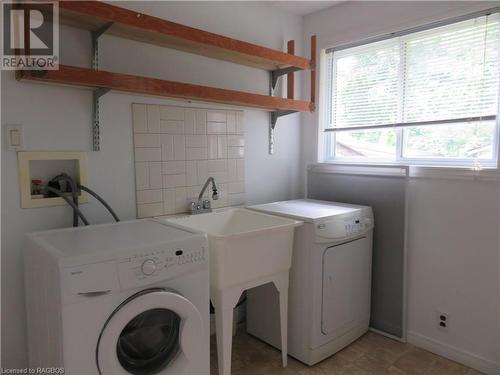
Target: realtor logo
x,y
30,35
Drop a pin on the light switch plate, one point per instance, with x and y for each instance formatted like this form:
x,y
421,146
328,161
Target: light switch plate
x,y
15,137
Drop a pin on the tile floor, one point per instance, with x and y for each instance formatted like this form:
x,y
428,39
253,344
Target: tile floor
x,y
372,354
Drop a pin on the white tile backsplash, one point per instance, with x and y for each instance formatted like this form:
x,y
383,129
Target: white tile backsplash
x,y
216,128
235,140
173,167
231,123
172,126
141,176
155,176
236,187
168,201
190,121
191,173
240,168
222,147
171,113
201,121
140,118
239,123
146,140
235,199
202,170
179,147
196,141
149,209
212,146
235,152
174,180
176,149
153,119
196,153
147,154
149,196
217,166
167,146
181,201
216,116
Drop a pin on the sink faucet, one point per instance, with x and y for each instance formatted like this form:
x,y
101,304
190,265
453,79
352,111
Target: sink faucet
x,y
201,205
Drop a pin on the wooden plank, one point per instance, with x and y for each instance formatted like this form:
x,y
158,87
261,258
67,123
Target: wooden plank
x,y
290,79
128,24
75,76
313,73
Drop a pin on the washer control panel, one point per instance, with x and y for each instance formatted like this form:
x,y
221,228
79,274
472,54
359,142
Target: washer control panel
x,y
160,263
148,267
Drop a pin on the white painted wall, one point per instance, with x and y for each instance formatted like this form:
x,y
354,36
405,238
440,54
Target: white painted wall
x,y
454,225
58,118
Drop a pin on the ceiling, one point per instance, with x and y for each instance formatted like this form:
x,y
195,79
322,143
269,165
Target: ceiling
x,y
301,8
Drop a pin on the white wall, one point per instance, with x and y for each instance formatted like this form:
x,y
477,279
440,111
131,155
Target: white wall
x,y
454,267
58,118
454,225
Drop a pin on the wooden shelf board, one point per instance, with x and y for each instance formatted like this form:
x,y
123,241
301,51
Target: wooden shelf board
x,y
83,77
92,15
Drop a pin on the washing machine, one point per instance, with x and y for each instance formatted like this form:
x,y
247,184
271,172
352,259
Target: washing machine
x,y
122,298
330,280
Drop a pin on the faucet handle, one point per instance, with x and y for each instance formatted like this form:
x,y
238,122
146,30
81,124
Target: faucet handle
x,y
206,204
192,207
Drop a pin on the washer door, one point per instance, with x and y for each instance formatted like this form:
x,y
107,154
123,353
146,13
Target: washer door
x,y
155,331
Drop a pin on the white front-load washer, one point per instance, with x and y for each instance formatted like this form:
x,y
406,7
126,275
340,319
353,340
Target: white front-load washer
x,y
122,298
330,280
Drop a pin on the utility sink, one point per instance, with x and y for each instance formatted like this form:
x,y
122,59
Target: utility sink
x,y
247,249
244,245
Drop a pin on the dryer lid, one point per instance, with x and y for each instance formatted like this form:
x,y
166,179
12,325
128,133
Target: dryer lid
x,y
309,210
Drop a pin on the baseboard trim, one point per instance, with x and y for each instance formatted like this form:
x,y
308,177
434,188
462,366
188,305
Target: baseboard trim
x,y
472,360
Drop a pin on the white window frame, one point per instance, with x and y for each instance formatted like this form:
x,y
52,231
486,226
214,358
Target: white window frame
x,y
326,152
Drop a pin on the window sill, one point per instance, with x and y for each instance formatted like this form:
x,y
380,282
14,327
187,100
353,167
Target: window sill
x,y
398,170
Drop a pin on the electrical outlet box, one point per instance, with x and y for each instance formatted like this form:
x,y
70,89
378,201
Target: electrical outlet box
x,y
40,167
443,320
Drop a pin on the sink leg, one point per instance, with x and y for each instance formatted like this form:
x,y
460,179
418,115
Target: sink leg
x,y
224,303
224,328
281,284
284,325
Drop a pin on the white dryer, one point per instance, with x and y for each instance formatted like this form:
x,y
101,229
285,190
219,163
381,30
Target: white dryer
x,y
330,280
122,298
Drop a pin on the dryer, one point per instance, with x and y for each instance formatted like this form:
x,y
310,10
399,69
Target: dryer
x,y
330,280
122,298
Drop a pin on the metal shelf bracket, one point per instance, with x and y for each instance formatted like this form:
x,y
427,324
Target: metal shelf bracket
x,y
276,74
96,126
275,115
274,119
96,129
95,35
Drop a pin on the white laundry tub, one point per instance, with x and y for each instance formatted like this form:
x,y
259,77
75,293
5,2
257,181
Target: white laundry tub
x,y
247,249
244,245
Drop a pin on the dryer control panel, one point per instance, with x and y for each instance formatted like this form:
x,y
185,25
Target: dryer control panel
x,y
344,227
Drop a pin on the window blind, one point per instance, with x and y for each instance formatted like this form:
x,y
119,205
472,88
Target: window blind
x,y
449,74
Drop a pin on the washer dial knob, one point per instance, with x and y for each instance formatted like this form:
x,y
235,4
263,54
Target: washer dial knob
x,y
148,267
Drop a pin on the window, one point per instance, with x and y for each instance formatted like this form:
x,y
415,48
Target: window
x,y
428,97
